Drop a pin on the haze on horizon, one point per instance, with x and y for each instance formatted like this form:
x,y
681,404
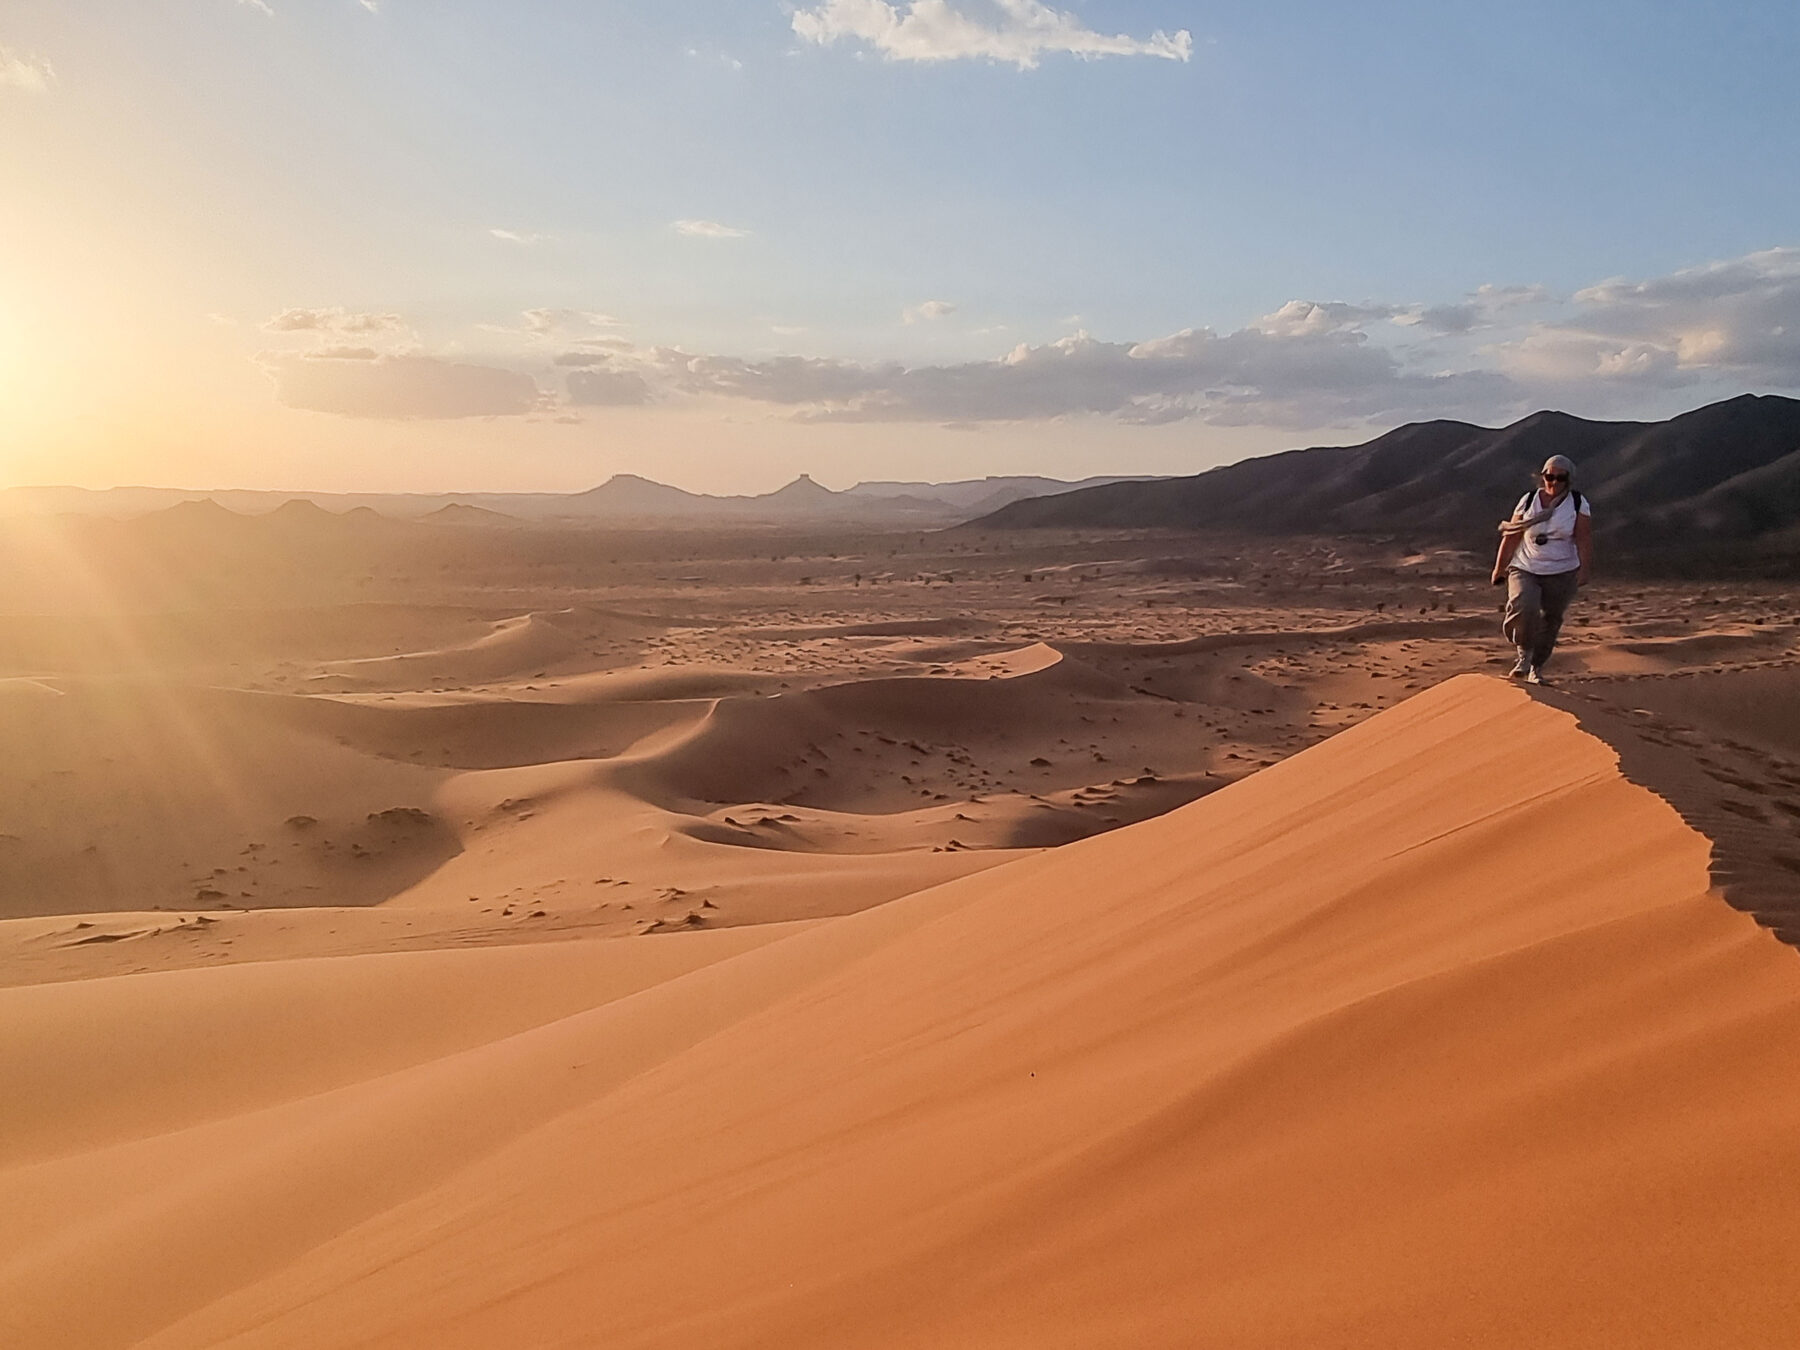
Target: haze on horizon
x,y
382,245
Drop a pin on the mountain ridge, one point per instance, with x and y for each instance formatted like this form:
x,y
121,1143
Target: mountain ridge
x,y
1723,479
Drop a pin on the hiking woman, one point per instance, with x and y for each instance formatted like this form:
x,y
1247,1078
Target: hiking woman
x,y
1545,551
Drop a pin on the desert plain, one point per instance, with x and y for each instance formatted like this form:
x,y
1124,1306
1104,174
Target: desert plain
x,y
467,933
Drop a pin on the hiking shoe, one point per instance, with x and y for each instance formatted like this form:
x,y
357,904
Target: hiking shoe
x,y
1535,675
1521,668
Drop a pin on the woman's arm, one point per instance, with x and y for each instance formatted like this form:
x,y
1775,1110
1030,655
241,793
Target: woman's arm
x,y
1509,545
1584,545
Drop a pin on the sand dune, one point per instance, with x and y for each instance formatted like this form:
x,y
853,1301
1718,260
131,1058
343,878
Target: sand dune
x,y
653,942
144,795
1719,644
937,627
834,745
132,794
1328,1058
512,647
144,1055
1258,637
189,641
1760,706
472,731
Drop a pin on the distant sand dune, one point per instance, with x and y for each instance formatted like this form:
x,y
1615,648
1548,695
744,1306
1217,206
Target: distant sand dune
x,y
470,732
111,643
651,685
513,647
129,794
1760,706
944,627
846,745
1430,1035
1713,646
1372,631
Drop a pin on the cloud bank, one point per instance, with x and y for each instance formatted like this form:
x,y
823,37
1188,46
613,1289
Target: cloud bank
x,y
1241,378
1739,318
1015,32
1494,354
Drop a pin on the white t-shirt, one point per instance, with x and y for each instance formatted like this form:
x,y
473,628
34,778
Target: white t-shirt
x,y
1557,552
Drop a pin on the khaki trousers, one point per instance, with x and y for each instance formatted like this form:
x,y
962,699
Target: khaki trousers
x,y
1534,611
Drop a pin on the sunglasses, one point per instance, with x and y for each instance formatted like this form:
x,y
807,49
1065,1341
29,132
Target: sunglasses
x,y
1554,477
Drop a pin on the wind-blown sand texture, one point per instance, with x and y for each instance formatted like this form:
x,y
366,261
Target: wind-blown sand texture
x,y
819,968
1313,1061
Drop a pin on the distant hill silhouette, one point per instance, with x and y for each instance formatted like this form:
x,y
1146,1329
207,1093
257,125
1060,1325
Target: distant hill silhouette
x,y
633,494
461,513
1722,481
624,499
800,495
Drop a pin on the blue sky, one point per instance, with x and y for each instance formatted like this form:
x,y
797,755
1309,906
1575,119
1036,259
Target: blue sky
x,y
331,243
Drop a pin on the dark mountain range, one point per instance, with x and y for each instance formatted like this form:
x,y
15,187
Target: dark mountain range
x,y
1722,481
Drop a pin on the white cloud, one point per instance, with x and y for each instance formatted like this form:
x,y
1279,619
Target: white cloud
x,y
1560,357
333,320
1480,308
1738,319
723,58
707,229
373,6
33,74
399,387
1013,32
1312,318
519,236
572,323
925,313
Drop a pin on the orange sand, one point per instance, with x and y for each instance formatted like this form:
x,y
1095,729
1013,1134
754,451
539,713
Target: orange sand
x,y
1429,1035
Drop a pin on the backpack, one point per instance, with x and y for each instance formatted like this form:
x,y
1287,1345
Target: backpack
x,y
1574,496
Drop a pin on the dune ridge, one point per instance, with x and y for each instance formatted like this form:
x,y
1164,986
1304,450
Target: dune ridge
x,y
1335,1056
